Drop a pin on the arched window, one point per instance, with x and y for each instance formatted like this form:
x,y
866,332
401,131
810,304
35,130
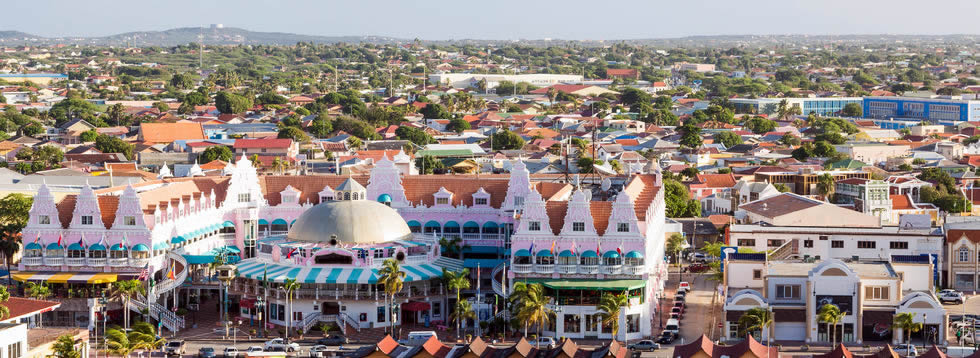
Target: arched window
x,y
964,254
346,196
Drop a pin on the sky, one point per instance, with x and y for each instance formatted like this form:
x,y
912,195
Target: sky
x,y
500,19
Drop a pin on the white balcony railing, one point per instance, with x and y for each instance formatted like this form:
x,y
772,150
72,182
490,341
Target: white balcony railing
x,y
32,261
54,261
138,262
522,268
544,268
118,262
588,269
96,261
75,261
612,269
567,268
635,269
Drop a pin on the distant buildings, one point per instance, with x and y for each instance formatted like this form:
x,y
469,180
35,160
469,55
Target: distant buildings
x,y
464,80
946,111
823,106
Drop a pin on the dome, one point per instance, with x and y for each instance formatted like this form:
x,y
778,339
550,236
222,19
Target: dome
x,y
350,221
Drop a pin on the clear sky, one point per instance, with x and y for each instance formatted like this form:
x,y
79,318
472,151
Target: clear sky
x,y
500,19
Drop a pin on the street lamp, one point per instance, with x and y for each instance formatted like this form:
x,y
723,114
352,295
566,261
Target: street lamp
x,y
261,309
226,273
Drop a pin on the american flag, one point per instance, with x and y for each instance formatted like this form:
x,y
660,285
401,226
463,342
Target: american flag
x,y
145,273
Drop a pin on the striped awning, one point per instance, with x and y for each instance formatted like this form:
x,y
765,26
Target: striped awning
x,y
255,269
65,277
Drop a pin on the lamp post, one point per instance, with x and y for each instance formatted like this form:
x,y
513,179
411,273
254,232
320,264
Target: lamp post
x,y
226,273
261,310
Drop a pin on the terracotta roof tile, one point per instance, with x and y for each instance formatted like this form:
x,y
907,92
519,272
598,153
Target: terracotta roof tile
x,y
20,307
169,132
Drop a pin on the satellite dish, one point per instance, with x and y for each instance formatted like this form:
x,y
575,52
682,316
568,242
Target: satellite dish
x,y
606,184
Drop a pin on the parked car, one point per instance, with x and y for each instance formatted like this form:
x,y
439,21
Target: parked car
x,y
545,342
673,326
332,340
417,338
676,316
684,286
679,305
680,298
273,345
230,352
174,348
319,351
644,345
254,349
678,312
667,337
205,352
698,267
950,296
905,348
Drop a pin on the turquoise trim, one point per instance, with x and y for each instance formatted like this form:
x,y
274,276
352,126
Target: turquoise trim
x,y
566,253
228,224
263,222
590,253
312,275
34,246
545,253
140,247
279,222
611,254
634,255
355,274
54,246
522,252
75,246
414,223
471,224
451,224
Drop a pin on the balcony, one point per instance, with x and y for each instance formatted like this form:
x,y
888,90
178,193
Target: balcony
x,y
75,261
96,261
612,269
54,261
117,262
138,262
635,269
522,268
588,269
567,269
544,268
32,261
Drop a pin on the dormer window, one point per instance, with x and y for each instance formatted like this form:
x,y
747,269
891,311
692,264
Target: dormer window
x,y
44,220
519,201
129,220
534,226
442,201
623,227
578,226
443,196
86,220
480,201
244,197
481,198
326,198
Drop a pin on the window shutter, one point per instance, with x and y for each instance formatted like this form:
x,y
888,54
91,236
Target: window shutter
x,y
868,292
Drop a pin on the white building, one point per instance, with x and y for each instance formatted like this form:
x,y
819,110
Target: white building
x,y
464,80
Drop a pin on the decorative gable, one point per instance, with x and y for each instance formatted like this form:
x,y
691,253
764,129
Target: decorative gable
x,y
578,218
386,180
327,194
289,196
129,214
44,213
87,213
622,219
534,220
244,188
518,188
481,198
443,198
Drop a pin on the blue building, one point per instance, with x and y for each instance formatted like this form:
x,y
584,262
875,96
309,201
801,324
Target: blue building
x,y
939,110
822,106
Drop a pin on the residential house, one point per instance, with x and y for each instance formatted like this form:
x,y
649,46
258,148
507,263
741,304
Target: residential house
x,y
276,147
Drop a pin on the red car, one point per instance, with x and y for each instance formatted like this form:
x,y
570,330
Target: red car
x,y
679,306
677,313
698,268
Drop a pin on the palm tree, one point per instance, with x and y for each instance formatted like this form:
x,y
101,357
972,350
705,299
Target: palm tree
x,y
755,319
906,321
463,311
518,295
825,185
534,308
457,280
453,247
9,246
392,276
146,336
126,291
354,142
831,315
675,244
256,162
143,336
610,306
280,165
64,347
289,285
4,296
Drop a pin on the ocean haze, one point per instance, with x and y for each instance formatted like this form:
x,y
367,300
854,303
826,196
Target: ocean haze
x,y
501,19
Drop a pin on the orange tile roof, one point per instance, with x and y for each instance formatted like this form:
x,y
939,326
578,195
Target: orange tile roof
x,y
717,180
901,202
170,132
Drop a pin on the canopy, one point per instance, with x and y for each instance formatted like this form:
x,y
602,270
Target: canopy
x,y
566,253
384,198
522,252
65,277
605,285
177,240
263,222
452,224
415,306
162,245
414,223
96,247
54,246
432,224
471,224
140,247
611,254
590,253
545,252
33,246
347,275
489,224
118,247
634,255
228,224
75,246
233,249
279,222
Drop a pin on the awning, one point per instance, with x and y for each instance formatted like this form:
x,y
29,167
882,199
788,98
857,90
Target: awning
x,y
232,249
177,240
33,246
589,253
522,252
415,306
228,224
65,277
566,253
254,269
162,245
414,223
75,246
279,222
246,303
263,222
607,285
611,254
54,246
451,224
140,247
119,247
545,253
878,317
96,247
634,255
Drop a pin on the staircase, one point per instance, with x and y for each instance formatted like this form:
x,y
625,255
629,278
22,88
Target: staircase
x,y
310,320
168,318
343,319
449,263
496,277
790,248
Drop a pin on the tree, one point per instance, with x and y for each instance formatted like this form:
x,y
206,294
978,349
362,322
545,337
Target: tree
x,y
782,188
852,110
89,136
675,244
826,186
126,291
321,127
393,278
256,162
906,322
789,139
462,312
506,140
457,125
533,307
290,286
679,202
435,111
452,247
296,134
760,125
832,316
228,102
181,81
217,152
505,88
65,347
690,136
427,164
271,98
586,164
728,138
71,108
610,307
690,172
143,336
755,319
354,142
803,153
32,129
457,280
415,135
631,96
108,144
280,165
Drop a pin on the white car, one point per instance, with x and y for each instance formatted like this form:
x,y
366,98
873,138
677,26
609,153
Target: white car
x,y
280,344
951,296
231,352
905,348
545,342
684,287
254,349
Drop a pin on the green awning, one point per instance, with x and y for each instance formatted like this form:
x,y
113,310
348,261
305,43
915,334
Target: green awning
x,y
590,253
634,255
228,224
263,222
607,285
279,222
611,254
522,252
545,252
140,247
566,253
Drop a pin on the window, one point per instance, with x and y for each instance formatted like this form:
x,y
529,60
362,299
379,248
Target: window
x,y
788,291
898,245
442,201
244,197
534,226
964,254
808,243
519,201
87,220
578,226
775,243
480,201
866,244
379,254
876,292
837,244
325,198
823,237
746,242
623,227
436,308
756,274
44,220
129,220
13,350
381,314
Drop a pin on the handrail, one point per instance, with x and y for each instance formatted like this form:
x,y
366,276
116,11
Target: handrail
x,y
309,320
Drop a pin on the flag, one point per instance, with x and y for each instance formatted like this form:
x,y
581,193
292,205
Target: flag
x,y
81,241
290,253
598,252
172,274
121,242
59,240
144,273
619,250
573,248
531,249
102,241
38,238
553,242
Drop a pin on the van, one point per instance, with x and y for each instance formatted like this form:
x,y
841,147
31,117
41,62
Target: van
x,y
673,325
418,338
959,352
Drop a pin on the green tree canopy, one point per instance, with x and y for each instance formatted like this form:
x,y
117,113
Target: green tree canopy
x,y
217,152
296,134
457,125
107,144
415,135
506,140
728,138
228,102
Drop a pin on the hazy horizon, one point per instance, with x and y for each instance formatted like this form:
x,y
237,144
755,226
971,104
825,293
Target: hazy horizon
x,y
503,19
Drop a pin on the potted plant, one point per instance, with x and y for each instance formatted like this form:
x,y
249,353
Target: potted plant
x,y
299,332
251,333
469,338
181,312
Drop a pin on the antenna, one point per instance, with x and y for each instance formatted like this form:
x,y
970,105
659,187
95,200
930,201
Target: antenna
x,y
200,51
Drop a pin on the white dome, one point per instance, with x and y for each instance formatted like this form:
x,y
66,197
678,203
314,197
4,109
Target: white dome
x,y
350,221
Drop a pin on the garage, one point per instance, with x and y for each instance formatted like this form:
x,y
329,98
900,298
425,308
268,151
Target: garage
x,y
789,325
